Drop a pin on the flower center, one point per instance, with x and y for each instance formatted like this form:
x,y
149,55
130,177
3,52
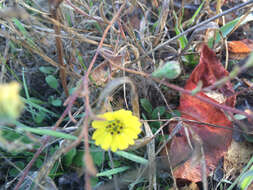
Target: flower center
x,y
114,127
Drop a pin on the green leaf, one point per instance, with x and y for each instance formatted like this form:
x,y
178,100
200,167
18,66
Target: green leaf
x,y
226,29
239,117
169,70
20,164
37,106
116,163
68,158
177,113
160,109
155,125
189,22
182,40
47,70
39,117
80,59
13,141
45,132
24,32
78,159
14,171
246,179
97,157
52,81
132,157
109,173
146,105
37,101
179,29
53,171
38,163
57,102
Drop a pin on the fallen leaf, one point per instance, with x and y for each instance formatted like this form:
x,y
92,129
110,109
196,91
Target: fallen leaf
x,y
215,141
240,49
101,73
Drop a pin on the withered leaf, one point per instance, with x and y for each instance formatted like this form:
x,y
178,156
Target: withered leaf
x,y
215,140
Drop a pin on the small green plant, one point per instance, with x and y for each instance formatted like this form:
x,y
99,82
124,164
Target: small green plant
x,y
52,81
154,113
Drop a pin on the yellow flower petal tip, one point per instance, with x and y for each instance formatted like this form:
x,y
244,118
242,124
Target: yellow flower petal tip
x,y
10,101
118,131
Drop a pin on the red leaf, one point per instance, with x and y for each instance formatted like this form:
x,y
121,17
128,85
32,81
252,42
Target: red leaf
x,y
215,140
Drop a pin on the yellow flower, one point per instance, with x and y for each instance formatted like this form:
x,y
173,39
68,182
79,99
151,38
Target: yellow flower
x,y
118,131
10,102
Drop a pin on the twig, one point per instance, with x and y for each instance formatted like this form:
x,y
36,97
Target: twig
x,y
54,10
151,158
98,19
4,60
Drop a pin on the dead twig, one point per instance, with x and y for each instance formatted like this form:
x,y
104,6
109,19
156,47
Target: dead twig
x,y
98,19
54,10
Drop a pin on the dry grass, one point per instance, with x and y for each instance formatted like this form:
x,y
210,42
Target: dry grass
x,y
100,55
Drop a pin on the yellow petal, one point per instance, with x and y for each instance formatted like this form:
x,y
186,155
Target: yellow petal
x,y
130,139
132,122
99,124
123,142
120,114
107,141
99,133
131,133
109,116
115,143
99,141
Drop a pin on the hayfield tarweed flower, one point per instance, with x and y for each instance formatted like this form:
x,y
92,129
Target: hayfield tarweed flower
x,y
10,102
118,130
